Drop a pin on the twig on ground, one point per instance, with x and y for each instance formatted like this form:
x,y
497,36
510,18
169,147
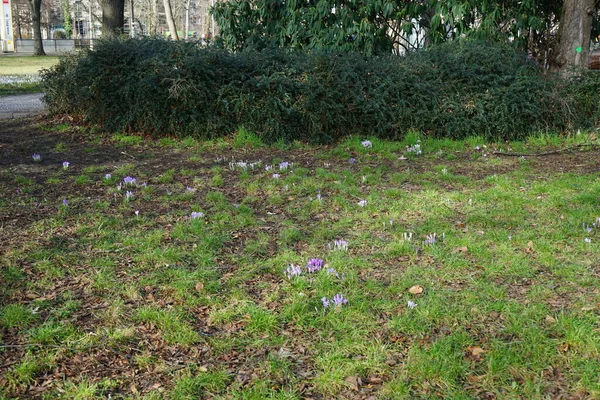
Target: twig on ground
x,y
546,153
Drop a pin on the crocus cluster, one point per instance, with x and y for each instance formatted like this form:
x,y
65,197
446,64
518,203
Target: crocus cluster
x,y
129,181
416,149
244,165
314,265
430,240
284,165
339,244
292,271
336,301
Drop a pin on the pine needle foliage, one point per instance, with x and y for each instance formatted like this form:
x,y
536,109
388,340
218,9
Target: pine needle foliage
x,y
453,90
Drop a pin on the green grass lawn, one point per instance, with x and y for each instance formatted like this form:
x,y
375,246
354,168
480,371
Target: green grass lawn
x,y
19,74
180,269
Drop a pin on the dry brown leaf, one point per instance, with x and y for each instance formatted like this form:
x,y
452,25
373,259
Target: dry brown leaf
x,y
354,382
462,249
474,378
416,289
476,350
550,319
375,380
199,286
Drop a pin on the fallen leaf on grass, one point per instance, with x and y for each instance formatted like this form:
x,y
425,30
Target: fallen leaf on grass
x,y
529,248
354,382
474,378
550,319
476,350
416,289
375,380
199,286
462,249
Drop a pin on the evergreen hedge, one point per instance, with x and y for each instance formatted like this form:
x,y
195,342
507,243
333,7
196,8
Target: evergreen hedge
x,y
454,90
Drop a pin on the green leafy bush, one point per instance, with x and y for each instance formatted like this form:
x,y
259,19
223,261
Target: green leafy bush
x,y
453,90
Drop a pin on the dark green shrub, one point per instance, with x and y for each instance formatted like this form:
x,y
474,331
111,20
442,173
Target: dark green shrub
x,y
453,90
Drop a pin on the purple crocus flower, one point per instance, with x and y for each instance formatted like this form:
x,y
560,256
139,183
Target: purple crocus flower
x,y
292,270
65,202
319,194
196,215
36,157
128,180
337,301
411,304
129,195
66,164
339,244
276,176
430,239
362,203
351,160
314,265
284,165
107,176
366,144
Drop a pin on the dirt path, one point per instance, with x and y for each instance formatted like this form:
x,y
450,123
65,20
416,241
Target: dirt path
x,y
21,105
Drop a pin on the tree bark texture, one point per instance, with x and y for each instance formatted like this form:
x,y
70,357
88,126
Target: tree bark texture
x,y
170,20
154,19
113,19
35,7
574,33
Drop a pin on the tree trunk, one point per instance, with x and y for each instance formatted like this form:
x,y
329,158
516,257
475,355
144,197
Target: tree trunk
x,y
113,18
154,19
18,19
170,20
574,34
35,8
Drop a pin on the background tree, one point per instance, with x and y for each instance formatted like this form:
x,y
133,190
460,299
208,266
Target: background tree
x,y
68,21
113,17
574,33
170,20
35,8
